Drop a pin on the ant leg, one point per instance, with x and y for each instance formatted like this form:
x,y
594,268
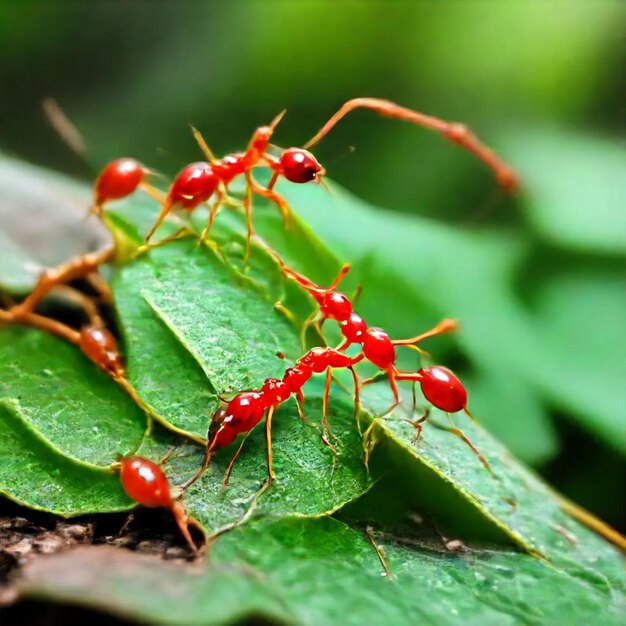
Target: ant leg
x,y
268,440
326,434
168,455
305,325
212,213
357,392
461,435
207,459
418,425
300,405
443,327
203,145
391,376
182,520
153,192
83,301
345,268
456,133
76,267
165,210
247,207
99,285
42,323
325,425
281,308
277,199
229,469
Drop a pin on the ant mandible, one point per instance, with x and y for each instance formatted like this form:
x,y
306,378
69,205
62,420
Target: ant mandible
x,y
197,182
145,483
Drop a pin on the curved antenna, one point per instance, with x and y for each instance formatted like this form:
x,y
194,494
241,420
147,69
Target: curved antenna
x,y
454,132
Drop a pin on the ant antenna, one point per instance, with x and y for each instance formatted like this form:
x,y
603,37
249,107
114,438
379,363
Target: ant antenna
x,y
64,128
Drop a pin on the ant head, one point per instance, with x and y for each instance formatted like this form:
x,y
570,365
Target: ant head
x,y
300,166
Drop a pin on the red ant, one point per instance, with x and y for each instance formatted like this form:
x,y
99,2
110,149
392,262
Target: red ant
x,y
145,483
197,182
439,385
377,347
247,408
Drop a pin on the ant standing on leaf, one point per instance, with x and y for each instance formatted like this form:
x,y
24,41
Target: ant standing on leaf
x,y
145,483
248,408
197,182
439,385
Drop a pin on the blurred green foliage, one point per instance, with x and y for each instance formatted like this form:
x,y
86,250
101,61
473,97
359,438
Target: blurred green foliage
x,y
540,82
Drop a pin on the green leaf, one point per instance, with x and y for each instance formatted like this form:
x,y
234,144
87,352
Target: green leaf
x,y
35,475
304,572
220,335
306,483
66,399
574,189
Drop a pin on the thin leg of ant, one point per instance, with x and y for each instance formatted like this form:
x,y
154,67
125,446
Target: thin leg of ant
x,y
345,268
326,434
461,435
391,377
84,302
229,469
380,553
166,207
42,323
443,327
418,424
153,192
76,267
207,460
182,520
247,207
203,145
309,321
300,406
168,455
456,133
281,308
357,392
219,198
99,285
277,199
268,441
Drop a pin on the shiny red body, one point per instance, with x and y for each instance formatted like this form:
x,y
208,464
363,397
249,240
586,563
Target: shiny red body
x,y
247,408
145,482
443,389
99,345
193,185
118,179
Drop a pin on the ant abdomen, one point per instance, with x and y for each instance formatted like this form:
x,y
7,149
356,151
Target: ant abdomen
x,y
193,185
99,345
118,179
443,389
